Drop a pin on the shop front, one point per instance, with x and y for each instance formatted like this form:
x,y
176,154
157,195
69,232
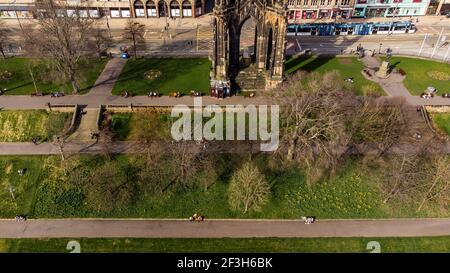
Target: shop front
x,y
359,12
376,11
324,13
309,14
346,13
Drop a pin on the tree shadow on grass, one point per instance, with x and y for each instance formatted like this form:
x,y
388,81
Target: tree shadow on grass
x,y
394,65
305,63
18,86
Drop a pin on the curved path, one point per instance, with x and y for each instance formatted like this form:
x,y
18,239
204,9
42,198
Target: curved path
x,y
159,228
393,85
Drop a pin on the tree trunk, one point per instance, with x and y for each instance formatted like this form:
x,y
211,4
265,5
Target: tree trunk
x,y
75,87
32,78
61,151
2,51
134,47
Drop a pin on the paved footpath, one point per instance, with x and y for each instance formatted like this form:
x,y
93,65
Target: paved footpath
x,y
159,228
129,147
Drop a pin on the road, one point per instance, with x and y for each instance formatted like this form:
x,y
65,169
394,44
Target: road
x,y
194,36
405,44
161,228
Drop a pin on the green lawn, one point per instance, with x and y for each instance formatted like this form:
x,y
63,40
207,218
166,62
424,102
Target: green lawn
x,y
417,78
127,126
228,245
20,82
46,191
180,75
16,126
17,193
348,67
442,121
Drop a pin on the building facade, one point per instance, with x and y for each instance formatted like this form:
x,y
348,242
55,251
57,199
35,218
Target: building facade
x,y
113,8
345,9
389,8
443,7
319,9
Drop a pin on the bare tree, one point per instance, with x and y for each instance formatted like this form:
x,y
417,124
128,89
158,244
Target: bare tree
x,y
60,142
3,38
100,40
188,159
419,178
438,184
134,32
248,189
379,123
31,66
313,116
105,137
111,186
61,36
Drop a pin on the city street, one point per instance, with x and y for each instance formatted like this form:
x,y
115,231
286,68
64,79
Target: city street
x,y
193,36
405,44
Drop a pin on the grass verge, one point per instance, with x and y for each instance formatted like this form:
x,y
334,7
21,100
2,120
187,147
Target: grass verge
x,y
20,81
348,67
230,245
164,75
23,125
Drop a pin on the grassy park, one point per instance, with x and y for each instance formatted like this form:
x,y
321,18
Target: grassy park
x,y
228,245
348,67
164,75
442,122
15,76
16,126
423,73
129,126
49,189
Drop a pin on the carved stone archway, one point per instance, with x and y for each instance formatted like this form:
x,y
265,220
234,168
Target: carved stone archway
x,y
271,21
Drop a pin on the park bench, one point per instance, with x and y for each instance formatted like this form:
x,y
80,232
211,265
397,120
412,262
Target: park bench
x,y
196,93
249,94
153,94
126,94
37,94
174,94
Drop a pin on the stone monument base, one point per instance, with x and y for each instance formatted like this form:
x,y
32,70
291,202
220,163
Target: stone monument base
x,y
383,71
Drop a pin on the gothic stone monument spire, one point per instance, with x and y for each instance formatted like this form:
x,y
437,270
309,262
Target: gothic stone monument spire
x,y
271,21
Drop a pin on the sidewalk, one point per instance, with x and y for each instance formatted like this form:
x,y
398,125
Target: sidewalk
x,y
245,228
131,147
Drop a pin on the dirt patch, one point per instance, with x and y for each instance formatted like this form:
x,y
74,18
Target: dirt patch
x,y
8,168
